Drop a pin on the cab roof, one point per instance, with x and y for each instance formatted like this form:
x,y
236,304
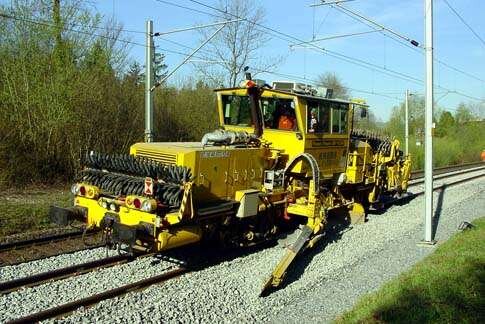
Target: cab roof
x,y
296,94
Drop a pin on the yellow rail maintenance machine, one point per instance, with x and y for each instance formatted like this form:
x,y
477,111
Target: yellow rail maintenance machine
x,y
284,157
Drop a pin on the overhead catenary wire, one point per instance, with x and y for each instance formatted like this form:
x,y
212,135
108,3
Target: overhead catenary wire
x,y
464,22
195,27
76,25
41,23
330,53
188,57
334,54
203,59
315,40
291,39
406,44
371,21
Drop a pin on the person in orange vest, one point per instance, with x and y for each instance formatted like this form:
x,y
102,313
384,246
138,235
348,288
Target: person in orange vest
x,y
287,119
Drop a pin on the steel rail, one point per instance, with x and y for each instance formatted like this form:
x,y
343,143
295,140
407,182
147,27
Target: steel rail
x,y
440,170
409,196
77,234
420,180
68,308
61,273
42,240
14,253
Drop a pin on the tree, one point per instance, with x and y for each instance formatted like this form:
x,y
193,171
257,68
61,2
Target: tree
x,y
463,114
445,124
395,125
331,81
237,45
135,73
159,67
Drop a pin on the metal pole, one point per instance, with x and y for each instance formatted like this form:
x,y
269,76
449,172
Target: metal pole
x,y
406,123
149,80
428,155
187,58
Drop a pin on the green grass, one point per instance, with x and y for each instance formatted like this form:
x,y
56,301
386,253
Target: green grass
x,y
26,210
446,287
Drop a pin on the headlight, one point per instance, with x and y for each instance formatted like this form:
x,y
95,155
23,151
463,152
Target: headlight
x,y
75,189
103,203
88,191
146,206
112,206
141,203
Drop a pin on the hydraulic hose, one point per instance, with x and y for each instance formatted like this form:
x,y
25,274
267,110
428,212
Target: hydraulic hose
x,y
313,165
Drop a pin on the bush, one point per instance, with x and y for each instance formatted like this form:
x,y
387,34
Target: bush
x,y
60,98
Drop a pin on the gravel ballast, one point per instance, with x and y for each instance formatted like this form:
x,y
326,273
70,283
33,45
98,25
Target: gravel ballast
x,y
324,282
48,264
29,300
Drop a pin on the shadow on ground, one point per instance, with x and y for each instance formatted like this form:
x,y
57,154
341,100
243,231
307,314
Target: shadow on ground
x,y
334,230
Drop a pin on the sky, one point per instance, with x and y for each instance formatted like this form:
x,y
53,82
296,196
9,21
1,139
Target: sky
x,y
455,46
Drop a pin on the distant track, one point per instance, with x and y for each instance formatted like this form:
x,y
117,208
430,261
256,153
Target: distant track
x,y
455,171
447,172
446,169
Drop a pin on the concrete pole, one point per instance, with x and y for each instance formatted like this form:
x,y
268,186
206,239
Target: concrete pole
x,y
406,124
149,81
428,155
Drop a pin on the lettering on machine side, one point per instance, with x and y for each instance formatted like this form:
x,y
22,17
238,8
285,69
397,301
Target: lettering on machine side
x,y
328,142
214,154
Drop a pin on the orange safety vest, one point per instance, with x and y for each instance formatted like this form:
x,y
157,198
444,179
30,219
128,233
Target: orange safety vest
x,y
286,122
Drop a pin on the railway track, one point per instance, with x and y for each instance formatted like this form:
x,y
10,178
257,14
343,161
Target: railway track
x,y
420,180
442,173
13,253
67,308
61,273
452,171
418,174
16,252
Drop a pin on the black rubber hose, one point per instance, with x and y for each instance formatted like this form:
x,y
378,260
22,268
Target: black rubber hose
x,y
313,165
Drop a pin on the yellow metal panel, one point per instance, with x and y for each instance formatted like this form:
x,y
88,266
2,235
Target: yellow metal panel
x,y
169,239
212,174
127,216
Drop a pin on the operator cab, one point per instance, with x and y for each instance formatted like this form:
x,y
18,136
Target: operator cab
x,y
295,120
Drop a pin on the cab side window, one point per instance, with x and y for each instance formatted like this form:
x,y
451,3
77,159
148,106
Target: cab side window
x,y
318,116
339,118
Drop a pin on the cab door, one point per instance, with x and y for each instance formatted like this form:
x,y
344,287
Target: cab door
x,y
327,135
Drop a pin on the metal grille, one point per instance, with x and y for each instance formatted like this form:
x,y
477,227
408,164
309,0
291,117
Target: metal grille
x,y
166,158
